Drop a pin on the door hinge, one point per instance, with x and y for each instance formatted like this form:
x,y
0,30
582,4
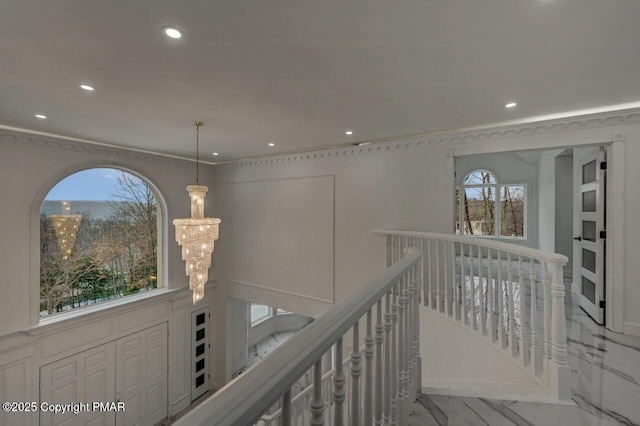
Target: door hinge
x,y
603,165
603,304
603,235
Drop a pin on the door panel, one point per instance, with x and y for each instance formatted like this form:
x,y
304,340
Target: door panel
x,y
590,245
84,377
141,376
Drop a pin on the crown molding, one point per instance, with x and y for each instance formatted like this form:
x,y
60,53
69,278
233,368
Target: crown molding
x,y
463,137
88,146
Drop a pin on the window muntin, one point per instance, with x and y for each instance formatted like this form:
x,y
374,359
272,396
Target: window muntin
x,y
486,208
115,249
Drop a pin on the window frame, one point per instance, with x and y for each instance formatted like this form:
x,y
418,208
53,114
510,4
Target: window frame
x,y
162,250
459,224
269,315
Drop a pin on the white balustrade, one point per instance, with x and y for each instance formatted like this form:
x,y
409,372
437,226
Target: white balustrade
x,y
511,295
369,397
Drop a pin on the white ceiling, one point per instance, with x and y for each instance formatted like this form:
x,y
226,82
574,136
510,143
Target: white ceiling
x,y
300,73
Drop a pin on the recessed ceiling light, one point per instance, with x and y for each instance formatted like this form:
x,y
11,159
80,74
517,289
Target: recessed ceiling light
x,y
41,116
272,144
349,132
215,153
510,105
171,32
87,87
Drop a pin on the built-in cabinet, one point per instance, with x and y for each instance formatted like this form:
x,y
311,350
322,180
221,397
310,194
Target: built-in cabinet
x,y
140,353
131,370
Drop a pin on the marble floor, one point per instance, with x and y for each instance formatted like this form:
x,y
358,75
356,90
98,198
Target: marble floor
x,y
605,390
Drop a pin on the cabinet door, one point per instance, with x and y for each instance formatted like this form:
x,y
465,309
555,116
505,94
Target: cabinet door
x,y
141,376
85,377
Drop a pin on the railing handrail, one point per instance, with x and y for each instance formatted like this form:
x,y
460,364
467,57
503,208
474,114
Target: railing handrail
x,y
243,400
552,258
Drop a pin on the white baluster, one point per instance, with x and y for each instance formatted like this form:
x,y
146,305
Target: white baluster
x,y
401,352
512,321
368,371
501,331
386,405
438,283
463,283
389,253
377,418
393,413
416,344
535,341
317,402
524,326
356,369
491,319
482,304
338,386
559,335
547,312
286,408
454,283
472,283
430,275
447,305
423,277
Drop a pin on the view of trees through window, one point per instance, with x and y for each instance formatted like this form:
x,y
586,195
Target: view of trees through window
x,y
98,240
487,206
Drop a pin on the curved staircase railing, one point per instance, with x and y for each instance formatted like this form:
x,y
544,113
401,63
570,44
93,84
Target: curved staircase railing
x,y
511,295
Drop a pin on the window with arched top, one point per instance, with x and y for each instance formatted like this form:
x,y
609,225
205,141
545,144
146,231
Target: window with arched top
x,y
486,207
99,240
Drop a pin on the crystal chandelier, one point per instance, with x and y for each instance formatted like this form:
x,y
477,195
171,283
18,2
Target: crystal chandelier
x,y
197,234
66,226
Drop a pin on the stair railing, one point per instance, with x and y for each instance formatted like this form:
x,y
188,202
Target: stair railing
x,y
509,294
393,352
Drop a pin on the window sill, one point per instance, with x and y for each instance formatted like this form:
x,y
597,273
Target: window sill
x,y
93,313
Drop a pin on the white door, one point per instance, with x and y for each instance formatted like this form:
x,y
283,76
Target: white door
x,y
85,377
141,376
590,233
199,352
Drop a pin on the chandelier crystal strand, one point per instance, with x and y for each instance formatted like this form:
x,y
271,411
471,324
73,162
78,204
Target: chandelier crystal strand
x,y
196,235
66,227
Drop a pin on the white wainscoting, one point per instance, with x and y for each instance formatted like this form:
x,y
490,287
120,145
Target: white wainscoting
x,y
288,243
22,354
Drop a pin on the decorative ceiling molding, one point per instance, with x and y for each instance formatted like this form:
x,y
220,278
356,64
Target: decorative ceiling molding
x,y
463,137
54,141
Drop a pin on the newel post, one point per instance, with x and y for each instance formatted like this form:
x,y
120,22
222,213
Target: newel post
x,y
560,371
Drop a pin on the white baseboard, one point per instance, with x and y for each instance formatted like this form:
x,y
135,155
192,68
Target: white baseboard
x,y
631,328
492,390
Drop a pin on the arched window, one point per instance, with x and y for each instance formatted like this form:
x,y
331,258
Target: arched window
x,y
99,240
486,207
